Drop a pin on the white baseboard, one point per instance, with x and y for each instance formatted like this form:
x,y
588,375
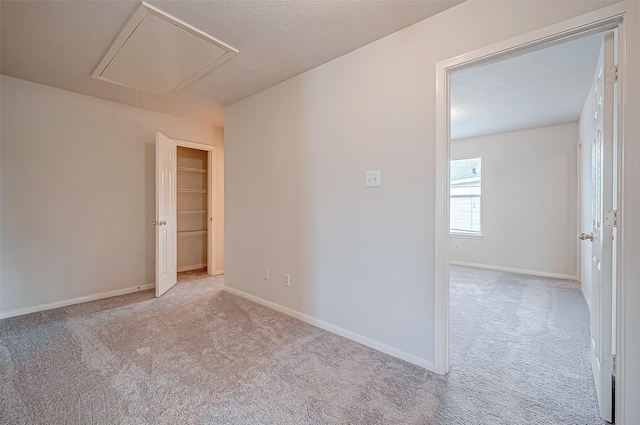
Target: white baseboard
x,y
65,303
512,270
218,272
376,345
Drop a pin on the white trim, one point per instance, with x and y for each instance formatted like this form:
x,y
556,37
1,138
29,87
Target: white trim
x,y
371,343
72,301
211,211
193,145
442,225
621,278
513,270
609,17
466,235
218,272
133,21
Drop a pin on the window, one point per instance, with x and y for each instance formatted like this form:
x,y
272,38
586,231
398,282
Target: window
x,y
465,196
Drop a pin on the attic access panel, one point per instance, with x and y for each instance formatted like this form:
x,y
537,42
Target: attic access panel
x,y
158,54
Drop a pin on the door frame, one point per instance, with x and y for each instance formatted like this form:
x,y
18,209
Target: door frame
x,y
211,199
607,18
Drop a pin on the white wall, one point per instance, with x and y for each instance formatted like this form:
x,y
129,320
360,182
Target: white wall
x,y
78,190
361,259
529,201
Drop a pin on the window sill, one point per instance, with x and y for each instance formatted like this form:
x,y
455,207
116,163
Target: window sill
x,y
466,235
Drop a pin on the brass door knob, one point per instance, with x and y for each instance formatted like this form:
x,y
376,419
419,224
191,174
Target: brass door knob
x,y
159,223
586,237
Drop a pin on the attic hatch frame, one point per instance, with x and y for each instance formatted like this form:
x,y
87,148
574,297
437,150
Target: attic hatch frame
x,y
607,18
132,24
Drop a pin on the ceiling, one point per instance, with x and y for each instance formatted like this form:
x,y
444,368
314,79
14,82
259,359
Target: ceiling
x,y
59,43
543,88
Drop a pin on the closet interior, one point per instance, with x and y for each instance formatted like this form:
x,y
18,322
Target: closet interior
x,y
192,208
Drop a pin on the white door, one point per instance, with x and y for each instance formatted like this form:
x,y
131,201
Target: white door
x,y
603,173
166,214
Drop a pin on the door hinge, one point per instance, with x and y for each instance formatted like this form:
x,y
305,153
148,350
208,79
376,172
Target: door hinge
x,y
611,74
611,218
609,362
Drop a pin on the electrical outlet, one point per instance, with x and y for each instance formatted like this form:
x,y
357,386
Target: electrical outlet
x,y
266,274
287,279
456,246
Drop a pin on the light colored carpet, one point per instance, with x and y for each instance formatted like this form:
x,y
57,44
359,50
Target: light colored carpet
x,y
198,355
519,351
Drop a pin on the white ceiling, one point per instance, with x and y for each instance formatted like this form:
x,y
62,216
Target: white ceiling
x,y
543,88
59,43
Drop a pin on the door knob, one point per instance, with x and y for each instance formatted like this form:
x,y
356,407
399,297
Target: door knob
x,y
586,237
159,223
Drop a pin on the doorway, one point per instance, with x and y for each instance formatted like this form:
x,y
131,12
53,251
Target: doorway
x,y
196,187
192,208
446,70
185,194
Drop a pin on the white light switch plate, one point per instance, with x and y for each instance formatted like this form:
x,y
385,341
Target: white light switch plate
x,y
373,179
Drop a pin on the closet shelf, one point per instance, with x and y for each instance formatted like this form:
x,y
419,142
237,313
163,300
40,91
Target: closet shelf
x,y
191,191
192,233
193,212
192,170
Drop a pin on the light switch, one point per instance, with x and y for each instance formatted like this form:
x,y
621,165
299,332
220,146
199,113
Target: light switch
x,y
373,179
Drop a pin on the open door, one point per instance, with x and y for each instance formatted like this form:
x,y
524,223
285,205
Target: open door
x,y
603,175
166,214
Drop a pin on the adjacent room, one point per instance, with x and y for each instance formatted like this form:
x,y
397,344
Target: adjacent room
x,y
520,193
237,212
